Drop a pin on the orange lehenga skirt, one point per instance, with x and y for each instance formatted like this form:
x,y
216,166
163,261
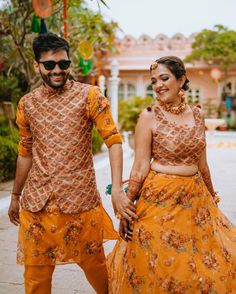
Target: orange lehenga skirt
x,y
182,243
49,237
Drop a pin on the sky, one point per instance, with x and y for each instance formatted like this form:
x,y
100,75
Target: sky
x,y
152,17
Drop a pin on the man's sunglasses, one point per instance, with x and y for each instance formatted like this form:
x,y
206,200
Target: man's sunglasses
x,y
50,64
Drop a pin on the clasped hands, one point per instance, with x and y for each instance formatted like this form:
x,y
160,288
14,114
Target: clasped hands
x,y
125,211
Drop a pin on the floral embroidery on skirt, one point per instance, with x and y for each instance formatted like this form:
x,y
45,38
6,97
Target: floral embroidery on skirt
x,y
182,242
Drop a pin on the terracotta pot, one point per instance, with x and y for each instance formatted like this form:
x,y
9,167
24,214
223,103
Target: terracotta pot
x,y
223,128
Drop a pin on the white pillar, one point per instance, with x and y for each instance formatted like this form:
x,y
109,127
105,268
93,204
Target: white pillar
x,y
140,86
114,82
102,83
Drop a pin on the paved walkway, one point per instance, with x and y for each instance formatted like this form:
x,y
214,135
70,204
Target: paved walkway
x,y
69,279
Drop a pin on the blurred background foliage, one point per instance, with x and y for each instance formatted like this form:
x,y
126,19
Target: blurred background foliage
x,y
129,111
16,56
8,149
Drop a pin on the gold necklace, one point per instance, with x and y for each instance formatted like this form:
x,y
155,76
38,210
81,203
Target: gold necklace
x,y
180,108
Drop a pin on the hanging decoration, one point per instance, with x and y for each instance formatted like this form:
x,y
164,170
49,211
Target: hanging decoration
x,y
43,28
86,53
86,49
43,8
86,65
215,73
35,24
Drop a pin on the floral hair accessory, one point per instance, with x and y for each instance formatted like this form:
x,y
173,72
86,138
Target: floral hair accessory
x,y
154,65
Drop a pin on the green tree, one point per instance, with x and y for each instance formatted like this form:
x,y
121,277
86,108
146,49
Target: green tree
x,y
9,89
85,24
216,46
16,36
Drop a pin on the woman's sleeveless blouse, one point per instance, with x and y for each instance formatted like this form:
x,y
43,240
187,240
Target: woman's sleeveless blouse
x,y
178,145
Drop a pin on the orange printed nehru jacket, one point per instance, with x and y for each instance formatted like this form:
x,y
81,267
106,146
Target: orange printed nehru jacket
x,y
55,128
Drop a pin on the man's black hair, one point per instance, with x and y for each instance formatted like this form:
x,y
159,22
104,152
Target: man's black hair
x,y
49,42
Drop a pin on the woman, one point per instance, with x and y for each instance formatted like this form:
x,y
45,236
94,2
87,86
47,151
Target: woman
x,y
181,242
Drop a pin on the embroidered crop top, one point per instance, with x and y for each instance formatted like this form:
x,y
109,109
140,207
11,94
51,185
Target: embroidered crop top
x,y
178,145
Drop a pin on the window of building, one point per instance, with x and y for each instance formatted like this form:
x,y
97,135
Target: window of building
x,y
149,91
230,88
121,91
131,90
193,95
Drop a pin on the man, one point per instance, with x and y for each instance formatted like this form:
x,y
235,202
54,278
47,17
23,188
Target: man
x,y
62,219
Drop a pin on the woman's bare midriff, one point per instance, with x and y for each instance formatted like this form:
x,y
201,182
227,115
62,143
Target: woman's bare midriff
x,y
180,170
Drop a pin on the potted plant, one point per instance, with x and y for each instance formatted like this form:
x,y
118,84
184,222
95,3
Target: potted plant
x,y
223,127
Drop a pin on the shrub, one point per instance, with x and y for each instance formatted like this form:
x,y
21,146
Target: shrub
x,y
8,150
130,109
4,126
97,141
9,89
8,156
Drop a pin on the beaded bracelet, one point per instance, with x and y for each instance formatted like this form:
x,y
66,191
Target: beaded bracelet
x,y
124,187
16,194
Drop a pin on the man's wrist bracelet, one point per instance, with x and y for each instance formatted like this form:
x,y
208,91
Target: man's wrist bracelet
x,y
109,188
16,194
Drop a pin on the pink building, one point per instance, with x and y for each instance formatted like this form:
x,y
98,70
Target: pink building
x,y
136,55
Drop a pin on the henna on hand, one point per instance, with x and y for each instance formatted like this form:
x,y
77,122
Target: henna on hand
x,y
134,188
207,180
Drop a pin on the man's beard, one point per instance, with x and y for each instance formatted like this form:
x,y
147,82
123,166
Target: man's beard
x,y
50,83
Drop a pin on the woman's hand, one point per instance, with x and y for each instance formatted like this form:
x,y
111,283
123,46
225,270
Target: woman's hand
x,y
125,230
123,206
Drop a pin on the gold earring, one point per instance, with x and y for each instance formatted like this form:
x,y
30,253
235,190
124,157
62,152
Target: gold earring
x,y
181,94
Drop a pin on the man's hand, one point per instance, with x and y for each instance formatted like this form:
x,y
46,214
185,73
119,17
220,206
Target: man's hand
x,y
123,206
125,230
13,211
